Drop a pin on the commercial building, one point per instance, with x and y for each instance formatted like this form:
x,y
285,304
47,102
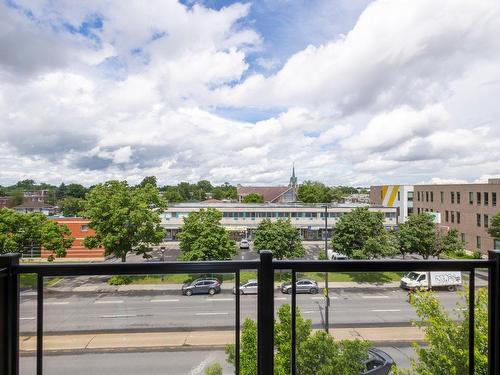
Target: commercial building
x,y
397,196
241,220
465,207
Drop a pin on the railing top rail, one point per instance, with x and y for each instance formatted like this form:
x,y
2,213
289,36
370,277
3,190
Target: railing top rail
x,y
4,272
135,268
381,265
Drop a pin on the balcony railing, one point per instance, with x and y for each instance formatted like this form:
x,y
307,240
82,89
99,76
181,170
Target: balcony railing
x,y
10,269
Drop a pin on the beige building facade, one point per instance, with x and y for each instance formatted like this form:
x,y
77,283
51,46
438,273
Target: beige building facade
x,y
465,207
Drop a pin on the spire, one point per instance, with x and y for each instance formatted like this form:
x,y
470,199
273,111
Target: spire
x,y
293,179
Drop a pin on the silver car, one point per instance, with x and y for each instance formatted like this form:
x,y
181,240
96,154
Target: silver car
x,y
250,287
301,286
244,244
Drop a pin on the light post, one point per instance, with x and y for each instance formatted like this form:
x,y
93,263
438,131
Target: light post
x,y
327,294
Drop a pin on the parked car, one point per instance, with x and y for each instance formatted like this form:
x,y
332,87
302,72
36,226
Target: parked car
x,y
301,286
379,363
445,279
250,287
244,244
201,286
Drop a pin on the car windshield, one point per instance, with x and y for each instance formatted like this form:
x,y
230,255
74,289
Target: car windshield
x,y
413,275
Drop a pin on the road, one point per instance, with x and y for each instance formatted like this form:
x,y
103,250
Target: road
x,y
147,310
155,363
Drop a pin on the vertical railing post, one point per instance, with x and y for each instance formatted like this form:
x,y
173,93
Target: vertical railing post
x,y
493,314
265,315
9,316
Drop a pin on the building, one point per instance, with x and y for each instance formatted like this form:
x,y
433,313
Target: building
x,y
36,206
4,201
465,207
271,194
79,230
36,196
357,199
241,220
398,196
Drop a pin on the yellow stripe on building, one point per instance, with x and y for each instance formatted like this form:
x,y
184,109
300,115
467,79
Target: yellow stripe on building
x,y
392,198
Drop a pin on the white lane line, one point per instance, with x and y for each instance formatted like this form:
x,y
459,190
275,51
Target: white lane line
x,y
375,297
163,300
108,301
56,303
280,299
213,313
308,312
219,299
388,310
331,297
118,316
30,318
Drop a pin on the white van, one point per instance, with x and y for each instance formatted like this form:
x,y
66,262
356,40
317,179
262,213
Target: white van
x,y
333,255
419,280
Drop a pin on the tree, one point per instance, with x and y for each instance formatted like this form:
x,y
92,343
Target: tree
x,y
172,195
75,191
446,337
19,231
317,354
418,235
280,237
253,198
451,242
124,219
72,206
314,192
360,234
202,237
148,180
494,229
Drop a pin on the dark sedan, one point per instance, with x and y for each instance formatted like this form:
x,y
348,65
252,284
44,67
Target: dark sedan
x,y
201,286
379,363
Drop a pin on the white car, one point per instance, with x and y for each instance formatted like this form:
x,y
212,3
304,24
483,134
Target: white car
x,y
250,287
244,244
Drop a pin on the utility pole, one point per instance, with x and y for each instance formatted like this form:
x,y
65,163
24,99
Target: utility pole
x,y
327,293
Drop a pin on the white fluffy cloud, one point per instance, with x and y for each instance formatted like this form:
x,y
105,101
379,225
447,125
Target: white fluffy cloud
x,y
127,89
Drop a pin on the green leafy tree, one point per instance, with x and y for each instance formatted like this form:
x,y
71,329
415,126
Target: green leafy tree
x,y
224,191
75,191
360,234
317,353
124,219
17,198
72,206
446,340
21,231
172,195
451,242
280,237
148,180
253,198
314,192
494,229
202,237
419,235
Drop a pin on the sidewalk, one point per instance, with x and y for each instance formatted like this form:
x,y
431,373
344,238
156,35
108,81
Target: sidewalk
x,y
202,339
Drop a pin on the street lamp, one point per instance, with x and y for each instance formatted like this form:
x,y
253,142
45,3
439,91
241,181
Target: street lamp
x,y
327,294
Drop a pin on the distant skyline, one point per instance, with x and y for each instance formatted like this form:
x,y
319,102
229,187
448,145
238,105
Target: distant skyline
x,y
355,92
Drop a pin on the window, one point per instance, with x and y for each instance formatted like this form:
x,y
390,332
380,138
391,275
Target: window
x,y
486,221
458,197
494,199
427,196
446,216
381,195
478,220
410,196
452,197
463,237
452,216
399,195
478,242
418,196
486,198
84,228
442,197
458,217
478,199
418,210
471,197
432,196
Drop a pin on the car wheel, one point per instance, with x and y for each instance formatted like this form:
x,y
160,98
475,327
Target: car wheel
x,y
242,292
452,288
189,292
314,290
211,291
289,291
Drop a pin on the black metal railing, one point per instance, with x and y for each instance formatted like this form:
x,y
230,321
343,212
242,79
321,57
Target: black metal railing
x,y
10,269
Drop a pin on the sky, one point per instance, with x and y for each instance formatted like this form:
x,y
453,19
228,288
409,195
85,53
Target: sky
x,y
354,92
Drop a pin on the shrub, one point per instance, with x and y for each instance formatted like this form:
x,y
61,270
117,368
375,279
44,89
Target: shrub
x,y
215,369
120,280
476,254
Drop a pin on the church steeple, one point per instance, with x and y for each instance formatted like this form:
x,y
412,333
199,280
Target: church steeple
x,y
293,179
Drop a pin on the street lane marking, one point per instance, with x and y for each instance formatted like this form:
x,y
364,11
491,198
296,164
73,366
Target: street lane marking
x,y
56,303
30,318
108,301
388,310
375,297
214,313
308,312
280,299
163,300
219,299
331,297
118,316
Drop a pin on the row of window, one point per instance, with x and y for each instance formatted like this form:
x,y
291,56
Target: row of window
x,y
455,197
451,215
486,220
285,215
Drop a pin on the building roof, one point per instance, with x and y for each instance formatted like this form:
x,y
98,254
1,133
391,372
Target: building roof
x,y
35,205
269,193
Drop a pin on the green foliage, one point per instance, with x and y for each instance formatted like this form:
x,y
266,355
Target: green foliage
x,y
494,229
19,231
120,280
360,234
215,369
280,237
446,350
151,180
316,354
185,191
253,198
476,254
314,192
72,206
202,237
124,219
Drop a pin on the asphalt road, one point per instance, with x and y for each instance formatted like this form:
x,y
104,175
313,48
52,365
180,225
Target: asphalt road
x,y
149,311
155,363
